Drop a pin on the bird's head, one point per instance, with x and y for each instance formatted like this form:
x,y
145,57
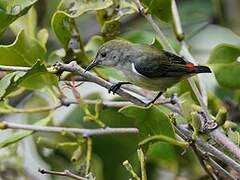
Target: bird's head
x,y
109,54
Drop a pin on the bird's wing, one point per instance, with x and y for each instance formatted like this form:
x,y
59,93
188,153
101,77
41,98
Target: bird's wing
x,y
162,65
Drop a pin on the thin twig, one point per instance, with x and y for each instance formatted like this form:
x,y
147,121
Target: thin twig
x,y
201,160
220,170
142,160
187,135
65,173
52,129
88,155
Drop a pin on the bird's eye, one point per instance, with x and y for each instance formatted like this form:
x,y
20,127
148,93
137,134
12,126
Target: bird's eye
x,y
103,54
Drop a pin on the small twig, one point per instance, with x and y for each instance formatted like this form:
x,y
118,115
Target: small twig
x,y
186,135
129,168
29,110
88,155
201,160
65,173
52,129
142,160
220,170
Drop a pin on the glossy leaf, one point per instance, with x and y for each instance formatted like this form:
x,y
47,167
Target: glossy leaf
x,y
11,10
24,51
224,60
150,121
61,27
36,78
159,8
19,135
75,8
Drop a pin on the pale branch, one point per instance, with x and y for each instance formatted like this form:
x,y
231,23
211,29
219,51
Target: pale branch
x,y
53,129
184,133
74,67
29,110
65,173
201,159
220,170
14,68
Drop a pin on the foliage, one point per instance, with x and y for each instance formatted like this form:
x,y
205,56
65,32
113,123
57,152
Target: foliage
x,y
63,37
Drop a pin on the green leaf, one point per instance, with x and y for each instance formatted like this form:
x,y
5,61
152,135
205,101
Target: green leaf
x,y
24,51
93,45
226,66
139,37
61,27
36,78
42,37
28,23
75,8
109,18
21,134
11,10
159,8
150,121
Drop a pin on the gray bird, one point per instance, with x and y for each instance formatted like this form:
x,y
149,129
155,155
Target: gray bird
x,y
145,65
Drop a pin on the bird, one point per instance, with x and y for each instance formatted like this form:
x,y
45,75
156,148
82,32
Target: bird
x,y
145,65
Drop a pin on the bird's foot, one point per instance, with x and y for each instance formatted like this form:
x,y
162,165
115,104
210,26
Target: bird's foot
x,y
153,101
116,86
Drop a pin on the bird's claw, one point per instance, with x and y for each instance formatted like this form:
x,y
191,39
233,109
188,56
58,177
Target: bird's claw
x,y
114,88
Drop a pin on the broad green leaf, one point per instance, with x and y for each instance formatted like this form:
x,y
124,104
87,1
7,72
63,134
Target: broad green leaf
x,y
75,8
42,37
93,45
36,78
24,51
153,121
150,121
109,18
61,27
139,37
27,23
21,134
159,8
11,10
224,60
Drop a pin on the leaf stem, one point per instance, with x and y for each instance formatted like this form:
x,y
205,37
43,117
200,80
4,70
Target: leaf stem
x,y
65,173
88,155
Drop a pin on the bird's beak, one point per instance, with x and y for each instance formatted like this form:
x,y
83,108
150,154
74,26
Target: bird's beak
x,y
91,65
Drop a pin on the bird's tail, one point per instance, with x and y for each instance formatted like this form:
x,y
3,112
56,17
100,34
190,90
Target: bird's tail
x,y
202,69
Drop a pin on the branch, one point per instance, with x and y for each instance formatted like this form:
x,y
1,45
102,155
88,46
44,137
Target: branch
x,y
187,135
75,68
84,132
65,173
203,164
